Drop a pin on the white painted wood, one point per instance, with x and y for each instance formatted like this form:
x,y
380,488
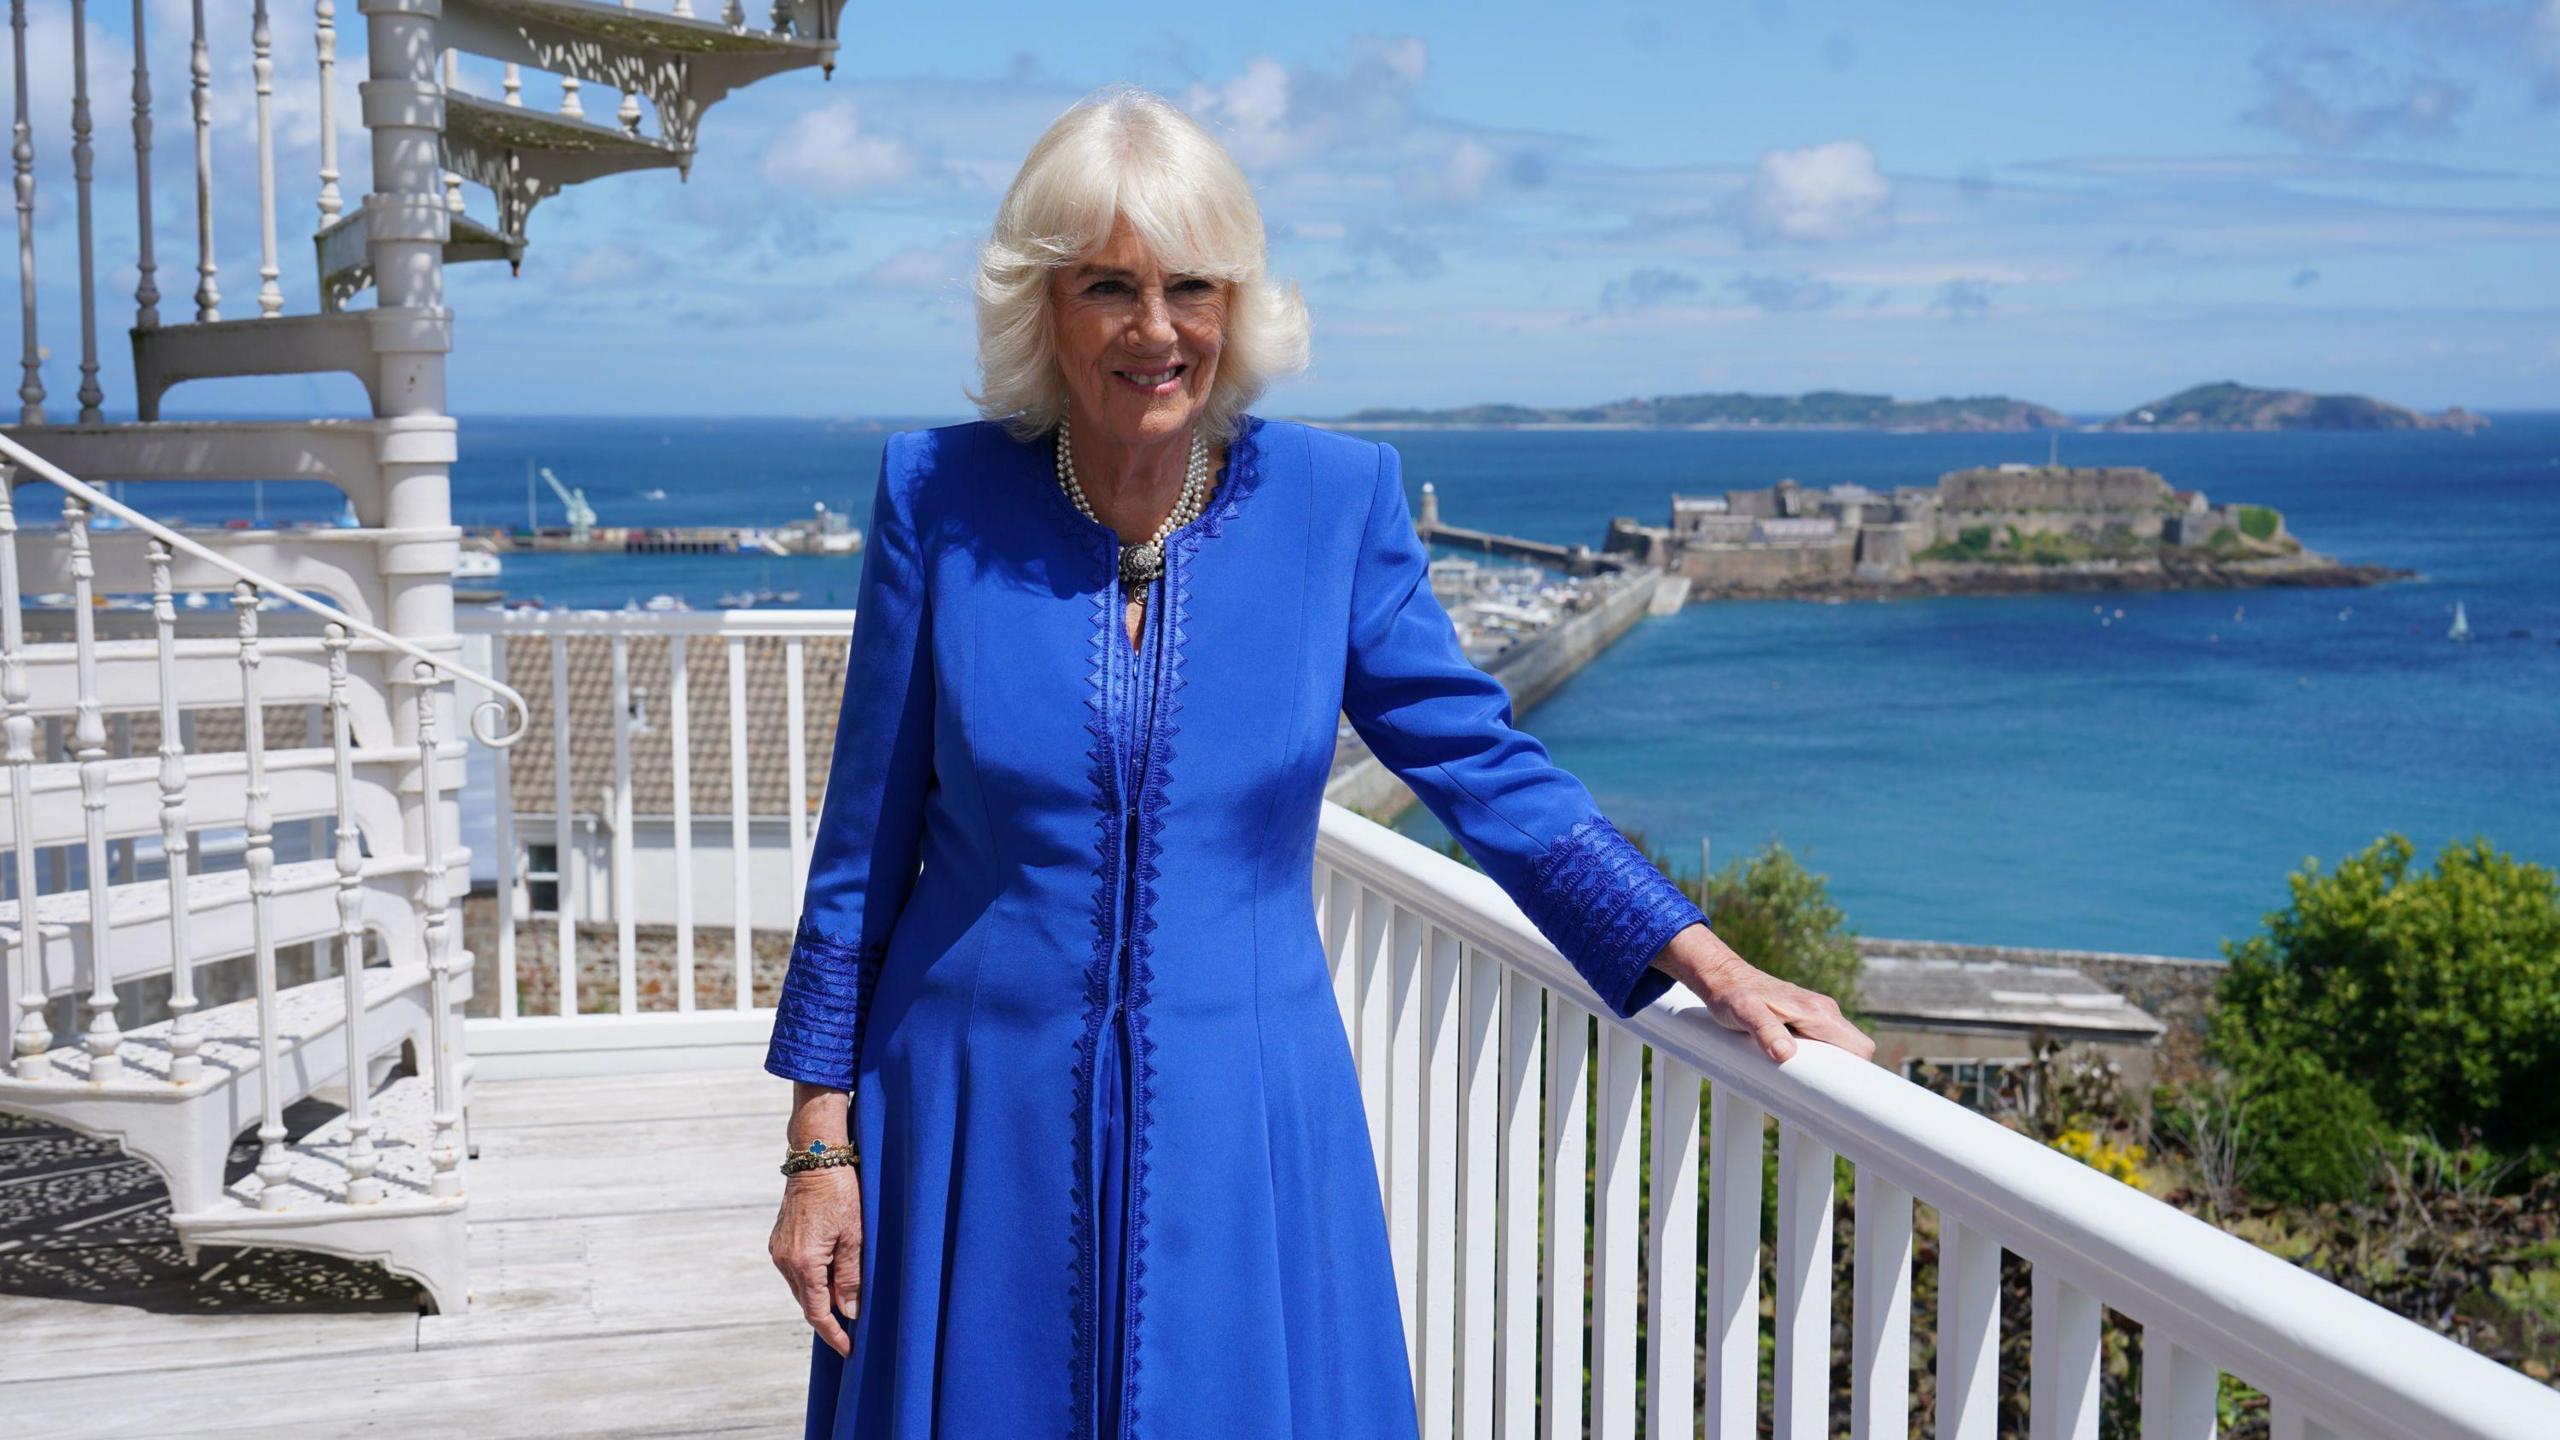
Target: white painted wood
x,y
30,1035
363,1185
742,937
1516,1243
1568,1111
2287,1419
625,911
324,38
22,153
2179,1390
83,166
1402,978
1615,1236
1802,1390
1479,1120
796,747
185,1035
1733,1262
1372,939
1880,1311
509,857
261,860
563,813
262,72
1671,1255
680,760
89,736
2063,1338
146,286
1968,1332
445,1153
1436,1266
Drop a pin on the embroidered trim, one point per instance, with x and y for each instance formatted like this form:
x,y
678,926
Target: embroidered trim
x,y
825,1006
1243,474
1607,907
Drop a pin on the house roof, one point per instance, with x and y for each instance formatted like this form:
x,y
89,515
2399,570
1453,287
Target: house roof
x,y
591,719
1911,990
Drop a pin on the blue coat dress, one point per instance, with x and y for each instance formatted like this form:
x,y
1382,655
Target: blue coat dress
x,y
1059,943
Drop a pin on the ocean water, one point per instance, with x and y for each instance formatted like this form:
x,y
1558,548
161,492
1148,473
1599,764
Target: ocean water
x,y
2030,770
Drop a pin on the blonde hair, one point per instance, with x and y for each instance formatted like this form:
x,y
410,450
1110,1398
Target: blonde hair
x,y
1123,151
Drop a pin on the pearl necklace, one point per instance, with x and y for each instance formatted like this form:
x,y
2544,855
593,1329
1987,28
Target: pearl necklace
x,y
1141,563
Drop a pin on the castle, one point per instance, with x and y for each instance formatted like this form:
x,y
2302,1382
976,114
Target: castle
x,y
1789,535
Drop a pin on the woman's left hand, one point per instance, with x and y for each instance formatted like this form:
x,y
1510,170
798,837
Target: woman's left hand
x,y
1745,998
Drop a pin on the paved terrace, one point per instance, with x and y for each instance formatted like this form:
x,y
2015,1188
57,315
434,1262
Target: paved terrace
x,y
620,1286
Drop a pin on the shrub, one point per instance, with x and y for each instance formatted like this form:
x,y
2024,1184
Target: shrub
x,y
1778,915
2438,991
2258,522
2307,1133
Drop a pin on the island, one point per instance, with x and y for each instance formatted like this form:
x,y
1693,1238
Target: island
x,y
2230,405
1815,410
1993,529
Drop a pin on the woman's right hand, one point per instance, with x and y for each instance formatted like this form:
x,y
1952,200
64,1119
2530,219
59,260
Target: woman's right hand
x,y
817,1245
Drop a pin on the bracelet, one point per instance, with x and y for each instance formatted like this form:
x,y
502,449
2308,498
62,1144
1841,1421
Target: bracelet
x,y
818,1155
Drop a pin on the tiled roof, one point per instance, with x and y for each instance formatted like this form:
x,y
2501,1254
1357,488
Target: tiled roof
x,y
2006,993
652,755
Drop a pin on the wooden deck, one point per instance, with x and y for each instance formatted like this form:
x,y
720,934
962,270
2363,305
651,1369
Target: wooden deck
x,y
620,1287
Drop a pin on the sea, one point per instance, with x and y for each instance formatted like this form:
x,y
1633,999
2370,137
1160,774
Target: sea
x,y
2130,771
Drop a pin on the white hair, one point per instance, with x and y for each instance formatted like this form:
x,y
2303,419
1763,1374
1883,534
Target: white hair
x,y
1127,152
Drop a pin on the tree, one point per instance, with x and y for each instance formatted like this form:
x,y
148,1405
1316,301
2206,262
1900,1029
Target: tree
x,y
2436,993
1778,915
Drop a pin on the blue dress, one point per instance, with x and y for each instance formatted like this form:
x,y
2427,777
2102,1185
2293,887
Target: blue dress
x,y
1058,941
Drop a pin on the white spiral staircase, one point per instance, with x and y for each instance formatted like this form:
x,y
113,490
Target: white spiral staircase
x,y
136,726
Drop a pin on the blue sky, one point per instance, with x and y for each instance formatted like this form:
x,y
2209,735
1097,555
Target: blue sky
x,y
2084,206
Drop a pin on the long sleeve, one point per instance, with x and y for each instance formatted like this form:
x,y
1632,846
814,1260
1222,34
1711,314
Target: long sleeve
x,y
863,858
1444,726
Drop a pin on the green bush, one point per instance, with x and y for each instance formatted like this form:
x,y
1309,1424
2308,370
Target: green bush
x,y
1778,915
2258,522
2437,991
2307,1134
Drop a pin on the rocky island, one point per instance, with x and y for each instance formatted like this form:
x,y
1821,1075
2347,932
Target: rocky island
x,y
1999,529
2230,405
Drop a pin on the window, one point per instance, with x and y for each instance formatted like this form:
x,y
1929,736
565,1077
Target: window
x,y
542,879
1985,1085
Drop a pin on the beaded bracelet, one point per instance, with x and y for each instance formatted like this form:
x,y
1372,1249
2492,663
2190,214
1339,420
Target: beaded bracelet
x,y
819,1155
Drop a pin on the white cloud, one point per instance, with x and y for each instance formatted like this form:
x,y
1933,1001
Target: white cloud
x,y
827,152
1820,195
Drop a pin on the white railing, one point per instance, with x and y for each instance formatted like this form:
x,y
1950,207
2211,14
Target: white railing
x,y
1460,1016
679,78
678,645
408,843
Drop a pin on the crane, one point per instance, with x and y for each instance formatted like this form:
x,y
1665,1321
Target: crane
x,y
582,516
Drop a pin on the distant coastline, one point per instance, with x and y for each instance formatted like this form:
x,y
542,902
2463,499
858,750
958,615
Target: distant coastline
x,y
2216,406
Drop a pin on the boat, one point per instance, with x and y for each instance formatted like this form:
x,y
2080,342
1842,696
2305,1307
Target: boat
x,y
2461,624
474,564
653,493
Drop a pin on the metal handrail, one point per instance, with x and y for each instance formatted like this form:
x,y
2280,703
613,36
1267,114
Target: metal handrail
x,y
503,697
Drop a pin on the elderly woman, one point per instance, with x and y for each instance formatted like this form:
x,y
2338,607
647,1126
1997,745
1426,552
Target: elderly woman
x,y
1114,1176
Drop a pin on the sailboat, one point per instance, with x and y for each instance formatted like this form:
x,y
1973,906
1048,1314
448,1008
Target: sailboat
x,y
2461,624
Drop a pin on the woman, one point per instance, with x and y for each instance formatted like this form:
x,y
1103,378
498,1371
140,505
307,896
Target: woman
x,y
1114,1175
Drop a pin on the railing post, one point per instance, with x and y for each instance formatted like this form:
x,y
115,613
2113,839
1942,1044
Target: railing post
x,y
502,781
2063,1340
1733,1263
1614,1237
89,741
680,763
186,1035
146,288
625,900
741,891
1568,1110
83,170
1968,1331
1880,1310
363,1187
22,158
262,71
564,894
324,24
445,1150
2179,1390
796,753
1802,1386
200,90
1516,1247
31,1035
261,862
1671,1291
